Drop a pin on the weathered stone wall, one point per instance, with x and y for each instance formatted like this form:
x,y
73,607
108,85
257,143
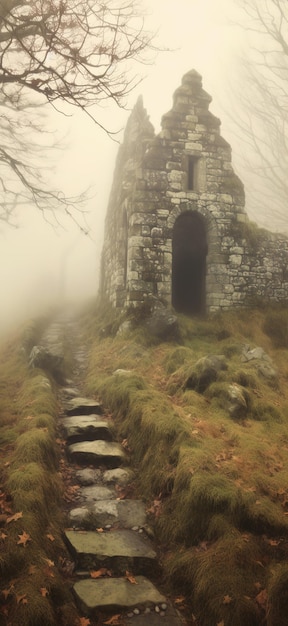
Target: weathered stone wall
x,y
186,168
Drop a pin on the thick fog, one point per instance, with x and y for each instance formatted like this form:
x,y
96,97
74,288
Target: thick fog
x,y
43,263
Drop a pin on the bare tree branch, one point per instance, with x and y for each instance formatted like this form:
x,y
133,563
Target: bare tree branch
x,y
74,52
264,109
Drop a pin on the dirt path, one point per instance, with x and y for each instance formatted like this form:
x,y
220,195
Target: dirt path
x,y
114,563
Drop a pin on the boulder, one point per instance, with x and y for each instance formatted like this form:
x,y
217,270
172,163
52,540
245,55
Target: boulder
x,y
232,397
251,354
119,476
124,328
88,476
163,324
205,372
262,361
267,371
237,403
94,493
52,363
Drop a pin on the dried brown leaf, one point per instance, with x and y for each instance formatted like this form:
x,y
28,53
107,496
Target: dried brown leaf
x,y
21,599
179,600
7,592
14,518
44,592
261,599
227,600
50,563
131,578
103,571
23,538
114,620
258,586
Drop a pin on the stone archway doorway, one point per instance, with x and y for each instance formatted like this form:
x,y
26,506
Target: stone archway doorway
x,y
189,251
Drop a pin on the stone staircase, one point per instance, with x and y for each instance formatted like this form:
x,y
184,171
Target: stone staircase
x,y
109,538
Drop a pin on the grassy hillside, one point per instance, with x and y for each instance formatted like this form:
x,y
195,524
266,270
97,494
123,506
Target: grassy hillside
x,y
205,419
211,450
33,589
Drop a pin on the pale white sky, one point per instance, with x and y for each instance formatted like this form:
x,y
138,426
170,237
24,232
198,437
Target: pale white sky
x,y
200,35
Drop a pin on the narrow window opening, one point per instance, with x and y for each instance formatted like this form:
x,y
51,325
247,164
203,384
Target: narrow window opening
x,y
192,173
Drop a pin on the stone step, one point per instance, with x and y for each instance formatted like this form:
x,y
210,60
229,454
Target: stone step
x,y
114,594
85,428
70,392
117,476
83,406
97,453
118,550
126,513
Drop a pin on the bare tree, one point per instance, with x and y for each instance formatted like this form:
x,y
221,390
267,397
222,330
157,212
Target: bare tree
x,y
63,52
261,113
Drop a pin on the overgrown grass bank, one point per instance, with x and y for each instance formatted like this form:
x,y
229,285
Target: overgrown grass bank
x,y
215,480
32,587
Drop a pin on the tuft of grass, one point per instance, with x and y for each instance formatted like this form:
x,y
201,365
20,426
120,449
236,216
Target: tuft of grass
x,y
35,490
177,358
37,395
277,600
219,581
118,391
275,325
36,445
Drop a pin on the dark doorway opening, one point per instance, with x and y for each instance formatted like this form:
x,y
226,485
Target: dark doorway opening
x,y
189,251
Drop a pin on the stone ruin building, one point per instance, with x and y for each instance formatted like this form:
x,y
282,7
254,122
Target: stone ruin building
x,y
176,226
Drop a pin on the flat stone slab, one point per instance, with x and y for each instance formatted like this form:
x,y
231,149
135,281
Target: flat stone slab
x,y
118,550
127,513
116,594
83,406
73,392
85,428
96,453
